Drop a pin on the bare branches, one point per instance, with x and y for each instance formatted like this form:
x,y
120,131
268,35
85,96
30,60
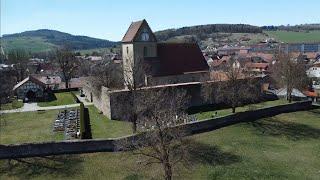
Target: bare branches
x,y
158,111
289,73
68,64
239,87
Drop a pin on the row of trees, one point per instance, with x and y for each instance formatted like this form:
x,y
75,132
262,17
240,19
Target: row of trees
x,y
204,30
301,27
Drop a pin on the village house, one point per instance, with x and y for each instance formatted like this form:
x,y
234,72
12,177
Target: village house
x,y
30,89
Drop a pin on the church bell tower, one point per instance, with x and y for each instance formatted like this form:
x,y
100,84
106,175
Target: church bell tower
x,y
138,44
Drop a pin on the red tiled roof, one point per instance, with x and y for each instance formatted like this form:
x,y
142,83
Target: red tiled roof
x,y
257,65
180,58
218,62
132,31
310,93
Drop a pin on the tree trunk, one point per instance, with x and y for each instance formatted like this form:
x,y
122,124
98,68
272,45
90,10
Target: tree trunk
x,y
289,98
67,84
134,123
167,170
233,109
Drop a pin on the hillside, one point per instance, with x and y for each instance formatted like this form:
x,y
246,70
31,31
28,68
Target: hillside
x,y
214,34
46,40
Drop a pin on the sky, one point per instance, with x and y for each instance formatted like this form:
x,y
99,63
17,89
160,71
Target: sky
x,y
109,19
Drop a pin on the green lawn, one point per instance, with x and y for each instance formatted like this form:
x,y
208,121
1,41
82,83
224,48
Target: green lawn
x,y
102,127
15,104
295,37
225,112
286,146
61,99
28,127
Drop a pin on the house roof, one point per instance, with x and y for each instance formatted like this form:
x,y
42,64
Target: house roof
x,y
257,65
32,79
179,58
311,93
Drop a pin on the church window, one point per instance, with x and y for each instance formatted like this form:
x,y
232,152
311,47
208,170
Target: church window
x,y
145,51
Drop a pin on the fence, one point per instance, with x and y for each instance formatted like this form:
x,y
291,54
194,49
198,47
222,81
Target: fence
x,y
109,145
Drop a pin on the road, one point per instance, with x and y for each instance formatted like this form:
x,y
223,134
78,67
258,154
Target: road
x,y
30,107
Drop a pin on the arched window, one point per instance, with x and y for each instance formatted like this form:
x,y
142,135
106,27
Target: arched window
x,y
145,51
127,50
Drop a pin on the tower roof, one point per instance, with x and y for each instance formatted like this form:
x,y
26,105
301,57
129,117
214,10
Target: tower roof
x,y
133,30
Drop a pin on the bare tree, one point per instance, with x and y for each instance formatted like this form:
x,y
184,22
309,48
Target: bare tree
x,y
19,58
289,73
68,64
134,74
238,87
6,93
160,113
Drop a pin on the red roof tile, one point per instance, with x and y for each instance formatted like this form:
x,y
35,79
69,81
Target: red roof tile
x,y
179,58
132,31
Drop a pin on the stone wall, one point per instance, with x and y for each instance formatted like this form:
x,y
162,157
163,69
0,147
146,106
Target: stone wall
x,y
109,145
182,78
114,104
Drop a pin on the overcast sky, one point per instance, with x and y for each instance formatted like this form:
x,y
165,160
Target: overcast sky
x,y
109,19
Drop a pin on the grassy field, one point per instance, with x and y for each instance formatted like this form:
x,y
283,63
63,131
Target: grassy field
x,y
15,104
295,37
28,127
102,127
286,146
37,127
60,99
225,112
30,44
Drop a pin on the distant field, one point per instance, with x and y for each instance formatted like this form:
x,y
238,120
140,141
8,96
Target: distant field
x,y
295,37
34,44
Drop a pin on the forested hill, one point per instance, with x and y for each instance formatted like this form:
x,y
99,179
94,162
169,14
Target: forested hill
x,y
46,40
301,27
202,31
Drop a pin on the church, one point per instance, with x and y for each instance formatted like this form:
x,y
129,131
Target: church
x,y
147,62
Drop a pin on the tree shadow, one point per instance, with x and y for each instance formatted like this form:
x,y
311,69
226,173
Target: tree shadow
x,y
200,153
293,131
49,98
315,110
58,166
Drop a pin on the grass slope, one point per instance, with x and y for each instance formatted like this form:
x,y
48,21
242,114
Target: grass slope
x,y
30,44
44,40
295,37
15,104
224,112
286,146
28,127
102,127
60,99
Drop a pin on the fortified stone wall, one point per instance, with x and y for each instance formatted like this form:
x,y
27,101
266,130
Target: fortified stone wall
x,y
116,104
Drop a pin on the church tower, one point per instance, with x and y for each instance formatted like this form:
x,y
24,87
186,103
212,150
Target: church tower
x,y
138,44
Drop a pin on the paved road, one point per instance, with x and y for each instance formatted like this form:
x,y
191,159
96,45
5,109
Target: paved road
x,y
29,107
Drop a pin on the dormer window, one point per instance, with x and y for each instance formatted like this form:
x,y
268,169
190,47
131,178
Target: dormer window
x,y
145,35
